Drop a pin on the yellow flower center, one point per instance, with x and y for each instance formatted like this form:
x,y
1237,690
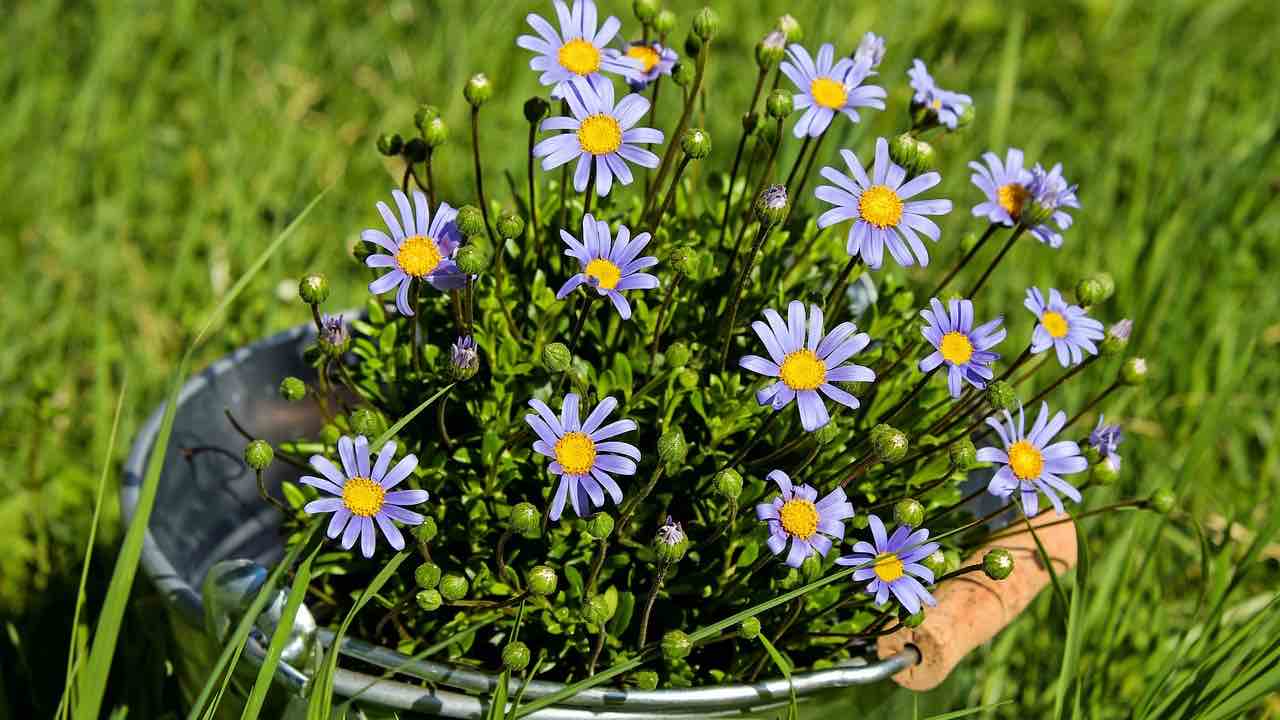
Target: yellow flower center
x,y
647,56
880,206
936,104
605,273
799,517
1026,461
888,567
418,256
579,57
803,370
1055,323
576,453
362,496
828,93
956,348
1012,197
600,135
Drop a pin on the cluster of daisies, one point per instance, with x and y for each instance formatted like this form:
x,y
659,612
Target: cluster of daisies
x,y
885,207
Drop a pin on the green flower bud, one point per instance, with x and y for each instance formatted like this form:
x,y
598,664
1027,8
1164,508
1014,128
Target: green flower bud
x,y
600,525
953,560
329,434
645,10
665,22
791,28
478,90
706,23
811,568
676,645
779,104
1108,285
454,587
997,563
258,455
646,679
293,389
696,143
596,610
671,543
542,580
470,221
366,422
914,620
1162,501
889,443
426,532
425,114
692,45
1002,396
909,512
1091,454
914,155
390,144
536,108
510,225
672,449
556,357
1089,291
682,74
313,288
966,116
526,520
936,562
1134,371
415,151
436,133
427,575
859,522
683,259
1104,473
963,454
430,600
749,629
827,433
1117,338
728,484
688,379
750,121
771,206
515,656
678,354
770,50
473,258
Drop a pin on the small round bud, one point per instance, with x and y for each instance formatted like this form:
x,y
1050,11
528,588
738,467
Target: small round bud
x,y
749,629
436,133
889,443
678,354
664,22
645,10
646,679
542,580
1117,338
671,542
473,258
1002,396
953,560
672,449
676,645
914,620
915,156
464,359
430,600
779,104
258,455
536,108
1162,501
454,587
1089,291
600,525
966,116
1108,285
423,115
750,121
963,454
333,338
909,512
706,23
526,520
510,225
771,206
728,484
811,568
293,389
1105,472
415,150
936,562
313,288
683,259
470,221
682,74
390,144
426,532
1134,371
366,422
692,45
696,143
427,575
478,90
515,656
770,50
997,563
556,357
596,610
791,28
859,522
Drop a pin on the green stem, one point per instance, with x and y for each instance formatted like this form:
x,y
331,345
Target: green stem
x,y
673,141
737,157
946,280
662,314
837,290
761,235
671,193
475,151
534,235
654,589
996,261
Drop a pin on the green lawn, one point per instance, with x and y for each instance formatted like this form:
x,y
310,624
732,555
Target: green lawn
x,y
151,150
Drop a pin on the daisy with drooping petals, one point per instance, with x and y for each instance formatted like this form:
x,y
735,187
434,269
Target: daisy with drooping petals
x,y
1030,463
881,210
421,248
582,454
363,494
892,564
870,50
1065,328
655,61
966,350
946,106
797,514
601,132
579,50
806,361
826,88
1050,195
1105,439
1004,184
611,267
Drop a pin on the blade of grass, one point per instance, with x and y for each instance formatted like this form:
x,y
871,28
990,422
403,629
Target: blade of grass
x,y
1075,629
966,713
279,638
391,431
784,667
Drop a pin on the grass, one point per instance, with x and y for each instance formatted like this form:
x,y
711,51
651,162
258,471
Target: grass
x,y
152,152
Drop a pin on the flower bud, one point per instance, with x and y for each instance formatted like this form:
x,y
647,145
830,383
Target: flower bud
x,y
909,512
596,610
600,525
426,532
914,620
470,221
436,133
827,433
965,118
779,104
870,50
676,645
670,543
646,679
1002,396
859,521
536,108
1134,371
811,568
1162,501
526,520
464,361
688,379
771,206
390,144
963,454
791,28
333,338
1117,338
510,225
997,563
672,449
728,484
366,422
415,151
696,143
1105,472
473,258
914,155
692,45
454,587
1090,291
706,23
423,115
478,90
645,10
936,562
293,389
953,560
430,600
556,357
682,74
750,121
313,288
749,629
889,443
771,49
515,656
258,455
664,22
678,354
542,580
427,575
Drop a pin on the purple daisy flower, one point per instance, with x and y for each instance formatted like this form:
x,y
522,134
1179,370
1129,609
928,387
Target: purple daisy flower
x,y
1005,185
877,204
1030,463
601,131
965,349
1050,193
363,494
581,453
655,61
609,266
1065,328
578,51
946,105
811,524
805,361
421,248
892,564
870,50
827,87
1106,440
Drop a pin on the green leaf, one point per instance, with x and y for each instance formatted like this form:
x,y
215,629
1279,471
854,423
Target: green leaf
x,y
399,425
1075,630
279,638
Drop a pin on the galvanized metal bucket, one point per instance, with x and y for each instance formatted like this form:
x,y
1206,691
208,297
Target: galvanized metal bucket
x,y
210,529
